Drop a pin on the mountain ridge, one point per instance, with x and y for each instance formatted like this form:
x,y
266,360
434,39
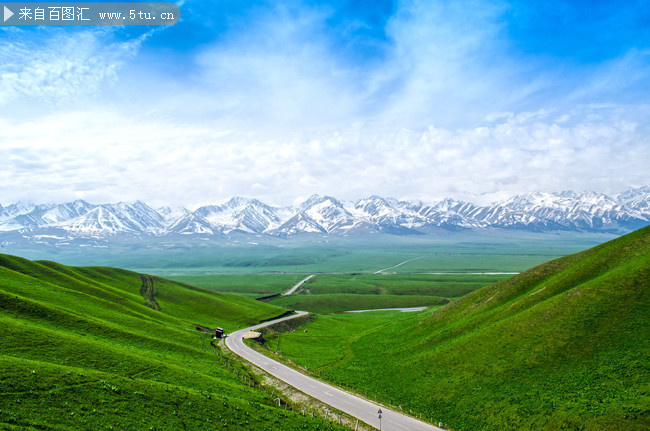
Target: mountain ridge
x,y
325,215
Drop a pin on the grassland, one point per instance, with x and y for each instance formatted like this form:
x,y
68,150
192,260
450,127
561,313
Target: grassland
x,y
342,302
79,349
565,345
251,285
501,251
449,286
327,293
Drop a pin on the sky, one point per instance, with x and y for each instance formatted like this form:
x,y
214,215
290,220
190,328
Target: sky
x,y
278,100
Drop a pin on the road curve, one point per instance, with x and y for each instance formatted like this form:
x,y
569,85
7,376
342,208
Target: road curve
x,y
357,407
293,289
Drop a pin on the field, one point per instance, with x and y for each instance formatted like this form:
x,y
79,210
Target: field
x,y
454,252
251,285
79,349
562,346
327,293
358,273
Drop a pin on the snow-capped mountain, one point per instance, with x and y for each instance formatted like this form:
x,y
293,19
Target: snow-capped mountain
x,y
239,215
21,216
191,224
636,199
328,213
390,215
300,223
171,215
111,219
14,210
325,215
588,211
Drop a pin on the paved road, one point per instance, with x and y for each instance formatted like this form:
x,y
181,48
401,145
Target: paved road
x,y
403,309
471,273
399,264
293,289
357,407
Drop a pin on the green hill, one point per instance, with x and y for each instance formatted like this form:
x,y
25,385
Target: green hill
x,y
103,348
565,345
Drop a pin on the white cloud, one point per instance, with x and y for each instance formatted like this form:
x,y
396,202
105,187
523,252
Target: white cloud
x,y
276,113
58,68
279,73
627,74
66,157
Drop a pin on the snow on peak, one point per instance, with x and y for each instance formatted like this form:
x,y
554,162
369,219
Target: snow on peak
x,y
322,214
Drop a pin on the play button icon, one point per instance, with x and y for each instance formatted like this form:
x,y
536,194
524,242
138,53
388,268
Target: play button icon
x,y
8,13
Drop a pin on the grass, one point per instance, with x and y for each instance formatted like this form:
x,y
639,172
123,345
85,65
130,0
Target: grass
x,y
501,251
328,293
252,285
565,345
343,301
562,346
79,349
448,286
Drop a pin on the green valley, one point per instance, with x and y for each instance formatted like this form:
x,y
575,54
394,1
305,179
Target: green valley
x,y
565,345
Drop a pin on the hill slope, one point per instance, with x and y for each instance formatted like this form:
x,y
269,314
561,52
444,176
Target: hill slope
x,y
565,345
102,348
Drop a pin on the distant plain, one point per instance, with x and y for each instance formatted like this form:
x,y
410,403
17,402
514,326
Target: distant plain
x,y
488,251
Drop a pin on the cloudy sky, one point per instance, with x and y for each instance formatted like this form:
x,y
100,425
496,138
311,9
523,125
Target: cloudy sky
x,y
278,100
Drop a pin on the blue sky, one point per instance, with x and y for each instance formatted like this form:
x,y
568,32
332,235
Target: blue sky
x,y
277,100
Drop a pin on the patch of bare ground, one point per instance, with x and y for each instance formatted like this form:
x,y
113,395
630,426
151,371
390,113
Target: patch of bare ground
x,y
576,292
482,303
147,291
536,292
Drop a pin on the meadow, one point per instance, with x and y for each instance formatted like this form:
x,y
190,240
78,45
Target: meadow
x,y
89,348
564,345
560,346
328,293
250,285
501,251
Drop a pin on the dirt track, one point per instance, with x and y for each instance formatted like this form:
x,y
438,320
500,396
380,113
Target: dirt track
x,y
147,292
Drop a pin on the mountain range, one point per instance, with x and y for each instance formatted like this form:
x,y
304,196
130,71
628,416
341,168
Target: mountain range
x,y
326,215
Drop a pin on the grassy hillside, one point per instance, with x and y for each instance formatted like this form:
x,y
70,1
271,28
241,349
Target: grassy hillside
x,y
565,345
102,348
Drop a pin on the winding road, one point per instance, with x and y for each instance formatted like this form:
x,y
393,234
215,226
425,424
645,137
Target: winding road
x,y
339,399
